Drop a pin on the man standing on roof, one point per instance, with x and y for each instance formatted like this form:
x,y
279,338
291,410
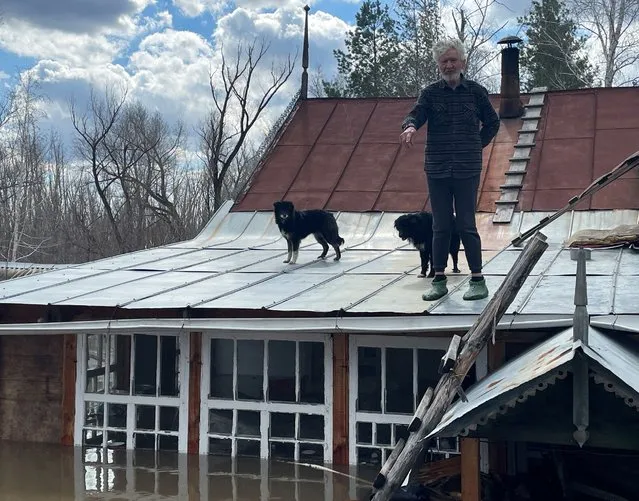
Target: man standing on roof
x,y
454,107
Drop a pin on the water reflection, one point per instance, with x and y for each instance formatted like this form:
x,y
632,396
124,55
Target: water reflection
x,y
43,472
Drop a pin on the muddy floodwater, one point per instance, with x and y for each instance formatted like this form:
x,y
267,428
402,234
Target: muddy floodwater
x,y
42,472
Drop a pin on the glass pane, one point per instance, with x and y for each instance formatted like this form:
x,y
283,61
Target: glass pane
x,y
120,365
399,380
96,362
364,433
367,455
248,424
282,425
145,417
220,446
281,450
169,364
250,370
401,431
281,371
311,373
144,440
383,434
311,427
312,452
116,439
369,379
221,374
248,448
167,443
94,414
220,421
93,437
169,419
427,366
117,415
146,363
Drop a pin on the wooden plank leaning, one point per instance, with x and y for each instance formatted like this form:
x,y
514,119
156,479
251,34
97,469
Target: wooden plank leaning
x,y
472,343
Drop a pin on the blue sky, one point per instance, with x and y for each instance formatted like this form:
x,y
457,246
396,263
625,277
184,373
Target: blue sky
x,y
160,50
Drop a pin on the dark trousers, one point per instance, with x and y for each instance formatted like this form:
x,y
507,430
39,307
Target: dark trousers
x,y
463,194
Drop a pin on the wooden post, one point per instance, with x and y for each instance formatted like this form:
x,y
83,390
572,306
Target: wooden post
x,y
195,378
69,352
473,342
470,480
340,399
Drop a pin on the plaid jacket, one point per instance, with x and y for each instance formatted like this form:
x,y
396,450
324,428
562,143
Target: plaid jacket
x,y
454,139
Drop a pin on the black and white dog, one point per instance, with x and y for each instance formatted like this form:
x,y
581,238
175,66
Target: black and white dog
x,y
417,228
295,225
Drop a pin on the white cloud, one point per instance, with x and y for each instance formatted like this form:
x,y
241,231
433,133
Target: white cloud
x,y
194,8
24,39
79,16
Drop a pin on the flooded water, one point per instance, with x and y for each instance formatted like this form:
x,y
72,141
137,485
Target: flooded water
x,y
43,472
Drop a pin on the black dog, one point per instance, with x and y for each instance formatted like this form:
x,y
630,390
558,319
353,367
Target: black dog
x,y
417,228
295,225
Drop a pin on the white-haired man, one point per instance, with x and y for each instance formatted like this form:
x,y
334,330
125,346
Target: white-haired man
x,y
454,108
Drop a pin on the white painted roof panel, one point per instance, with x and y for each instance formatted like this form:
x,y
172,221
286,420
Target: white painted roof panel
x,y
236,262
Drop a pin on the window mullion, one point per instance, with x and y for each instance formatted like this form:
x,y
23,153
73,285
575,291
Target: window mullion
x,y
158,360
383,392
416,396
297,371
132,364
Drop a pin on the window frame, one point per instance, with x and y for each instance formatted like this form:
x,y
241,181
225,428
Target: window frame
x,y
266,407
439,343
181,401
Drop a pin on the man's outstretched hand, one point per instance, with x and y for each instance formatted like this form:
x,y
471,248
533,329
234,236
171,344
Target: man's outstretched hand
x,y
406,137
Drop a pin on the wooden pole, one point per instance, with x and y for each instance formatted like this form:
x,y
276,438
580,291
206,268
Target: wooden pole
x,y
473,342
470,478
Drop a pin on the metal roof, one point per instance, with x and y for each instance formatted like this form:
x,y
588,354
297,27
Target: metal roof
x,y
235,263
534,371
344,154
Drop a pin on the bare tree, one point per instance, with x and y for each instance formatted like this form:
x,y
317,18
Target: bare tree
x,y
615,26
93,127
475,28
238,103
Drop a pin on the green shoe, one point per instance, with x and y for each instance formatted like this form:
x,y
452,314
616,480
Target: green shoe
x,y
437,291
476,290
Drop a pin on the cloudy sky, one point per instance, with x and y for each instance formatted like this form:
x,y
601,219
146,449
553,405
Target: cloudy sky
x,y
162,50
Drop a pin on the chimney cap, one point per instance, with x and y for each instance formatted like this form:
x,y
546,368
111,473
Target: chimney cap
x,y
510,40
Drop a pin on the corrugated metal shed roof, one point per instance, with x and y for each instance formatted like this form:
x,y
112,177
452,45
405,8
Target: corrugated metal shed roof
x,y
533,371
235,263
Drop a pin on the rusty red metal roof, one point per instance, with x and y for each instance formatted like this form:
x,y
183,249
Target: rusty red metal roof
x,y
344,155
582,135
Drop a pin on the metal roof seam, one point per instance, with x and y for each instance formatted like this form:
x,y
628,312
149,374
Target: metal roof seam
x,y
540,277
615,276
460,284
101,273
160,272
330,279
379,222
378,290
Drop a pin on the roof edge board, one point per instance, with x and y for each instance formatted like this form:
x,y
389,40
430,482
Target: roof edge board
x,y
364,324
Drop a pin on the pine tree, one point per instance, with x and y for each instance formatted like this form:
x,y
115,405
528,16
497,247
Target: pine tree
x,y
420,27
371,63
550,57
